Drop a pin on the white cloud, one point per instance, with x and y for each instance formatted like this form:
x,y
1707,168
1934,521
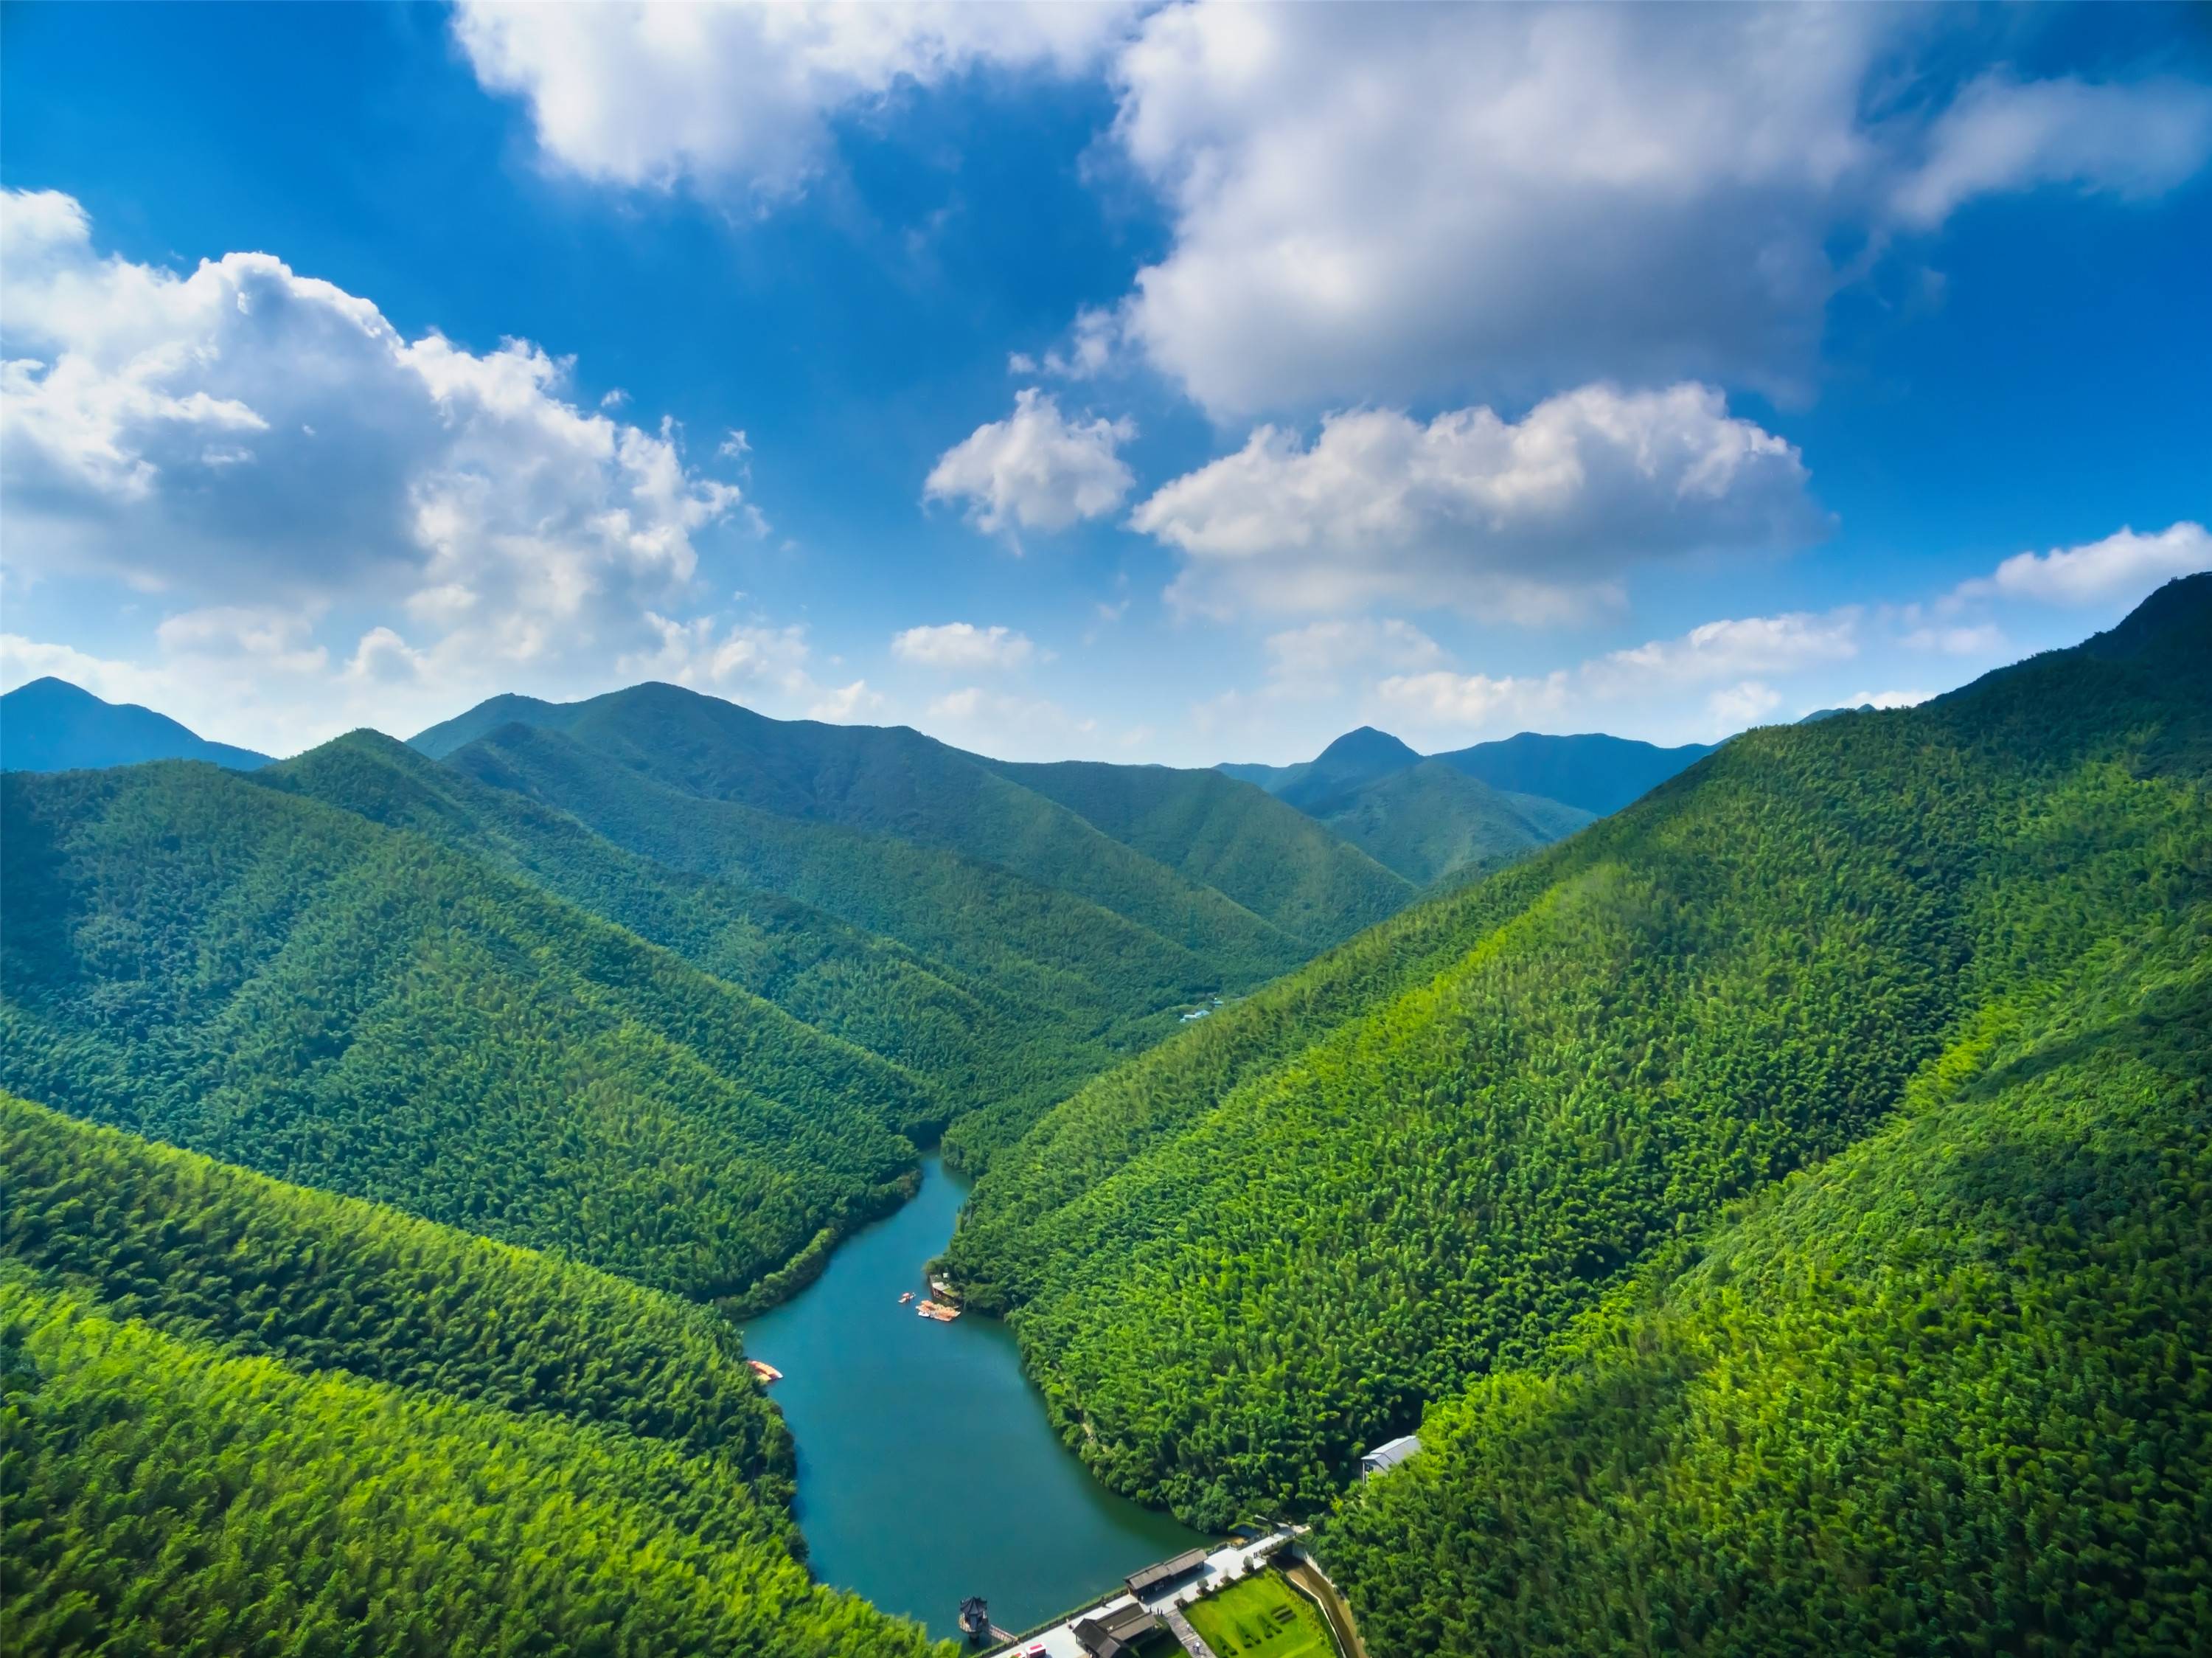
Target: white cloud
x,y
1403,202
963,648
1741,706
1885,699
1529,520
2003,134
1473,699
246,428
1010,727
1985,639
1732,647
2123,567
1312,656
1035,469
316,497
740,658
743,95
847,704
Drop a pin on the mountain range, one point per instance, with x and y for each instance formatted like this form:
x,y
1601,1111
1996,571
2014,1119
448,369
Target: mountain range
x,y
1771,1181
1779,1206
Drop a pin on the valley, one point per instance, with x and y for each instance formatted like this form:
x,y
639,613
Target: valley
x,y
1813,1146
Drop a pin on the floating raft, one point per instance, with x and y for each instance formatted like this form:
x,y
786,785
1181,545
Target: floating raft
x,y
764,1372
939,1311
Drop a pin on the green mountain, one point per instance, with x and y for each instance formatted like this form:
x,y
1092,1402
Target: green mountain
x,y
50,725
249,974
243,1418
1429,819
1268,856
1073,985
1356,758
1595,772
1423,819
1424,1159
952,1032
1943,1393
891,781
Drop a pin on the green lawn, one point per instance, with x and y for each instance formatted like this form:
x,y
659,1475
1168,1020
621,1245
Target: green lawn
x,y
1262,1616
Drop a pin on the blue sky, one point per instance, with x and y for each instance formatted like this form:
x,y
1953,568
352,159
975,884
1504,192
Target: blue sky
x,y
1181,383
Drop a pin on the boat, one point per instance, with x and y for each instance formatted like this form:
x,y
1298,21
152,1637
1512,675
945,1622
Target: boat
x,y
764,1372
905,1298
939,1311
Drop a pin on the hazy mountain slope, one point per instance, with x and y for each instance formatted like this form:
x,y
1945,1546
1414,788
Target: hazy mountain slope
x,y
1085,986
293,988
1270,857
166,1495
1429,819
867,988
1239,1258
1944,1393
896,781
50,725
1596,772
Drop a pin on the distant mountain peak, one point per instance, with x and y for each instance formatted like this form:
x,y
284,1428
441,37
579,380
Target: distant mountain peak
x,y
1369,748
50,725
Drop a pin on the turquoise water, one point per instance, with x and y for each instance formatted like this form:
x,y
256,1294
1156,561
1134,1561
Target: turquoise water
x,y
926,1469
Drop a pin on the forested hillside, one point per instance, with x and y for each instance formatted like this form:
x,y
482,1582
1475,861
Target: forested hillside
x,y
1945,1393
950,1029
1087,986
890,780
1271,858
289,987
1276,1238
244,1418
1430,820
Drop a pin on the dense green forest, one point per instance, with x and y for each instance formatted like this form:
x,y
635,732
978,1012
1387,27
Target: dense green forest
x,y
967,1040
1949,1393
894,781
1085,986
1276,1238
1430,820
255,975
205,1250
166,1495
1270,857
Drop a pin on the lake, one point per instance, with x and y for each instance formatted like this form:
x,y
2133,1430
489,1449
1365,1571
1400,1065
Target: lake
x,y
927,1471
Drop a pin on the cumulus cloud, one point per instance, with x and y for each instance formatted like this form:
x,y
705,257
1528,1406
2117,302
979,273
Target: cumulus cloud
x,y
1317,653
963,648
1526,520
1443,698
1035,469
1009,727
1733,647
728,94
341,523
248,429
1741,706
2001,133
1401,202
847,704
2124,567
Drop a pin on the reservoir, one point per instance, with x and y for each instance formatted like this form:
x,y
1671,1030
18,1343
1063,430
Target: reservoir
x,y
927,1471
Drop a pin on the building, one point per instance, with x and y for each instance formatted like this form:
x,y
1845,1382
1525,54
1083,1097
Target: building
x,y
975,1618
1153,1579
1114,1632
1388,1456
